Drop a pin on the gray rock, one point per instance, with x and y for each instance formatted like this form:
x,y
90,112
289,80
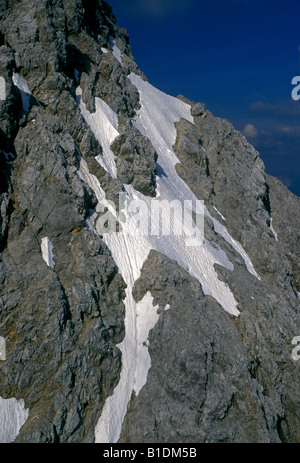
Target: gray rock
x,y
62,325
224,170
190,152
214,377
284,207
136,160
122,98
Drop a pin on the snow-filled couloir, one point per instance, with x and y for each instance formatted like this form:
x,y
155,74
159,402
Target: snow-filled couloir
x,y
130,249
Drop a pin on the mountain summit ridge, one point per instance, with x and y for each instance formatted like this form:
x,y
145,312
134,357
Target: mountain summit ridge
x,y
134,338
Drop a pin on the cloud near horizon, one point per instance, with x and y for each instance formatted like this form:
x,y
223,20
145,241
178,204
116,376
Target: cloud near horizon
x,y
274,131
252,132
288,108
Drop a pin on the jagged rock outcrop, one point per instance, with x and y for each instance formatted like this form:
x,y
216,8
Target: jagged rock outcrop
x,y
61,324
284,206
136,160
232,179
214,377
229,367
211,370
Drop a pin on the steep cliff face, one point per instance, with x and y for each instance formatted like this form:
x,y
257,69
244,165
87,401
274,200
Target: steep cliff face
x,y
61,317
114,331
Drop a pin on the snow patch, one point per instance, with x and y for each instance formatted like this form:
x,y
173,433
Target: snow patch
x,y
90,221
136,363
12,417
104,124
47,252
147,317
222,230
129,250
156,120
80,175
115,50
218,212
272,229
26,94
129,253
2,349
2,89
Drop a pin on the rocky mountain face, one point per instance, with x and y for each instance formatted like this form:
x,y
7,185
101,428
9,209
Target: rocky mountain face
x,y
202,340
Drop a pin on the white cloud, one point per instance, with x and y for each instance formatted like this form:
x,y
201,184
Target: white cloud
x,y
250,131
287,129
284,109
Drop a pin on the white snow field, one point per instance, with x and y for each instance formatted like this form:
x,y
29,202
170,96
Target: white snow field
x,y
104,124
130,248
12,417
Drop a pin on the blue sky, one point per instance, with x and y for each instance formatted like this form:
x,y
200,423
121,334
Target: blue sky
x,y
236,56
